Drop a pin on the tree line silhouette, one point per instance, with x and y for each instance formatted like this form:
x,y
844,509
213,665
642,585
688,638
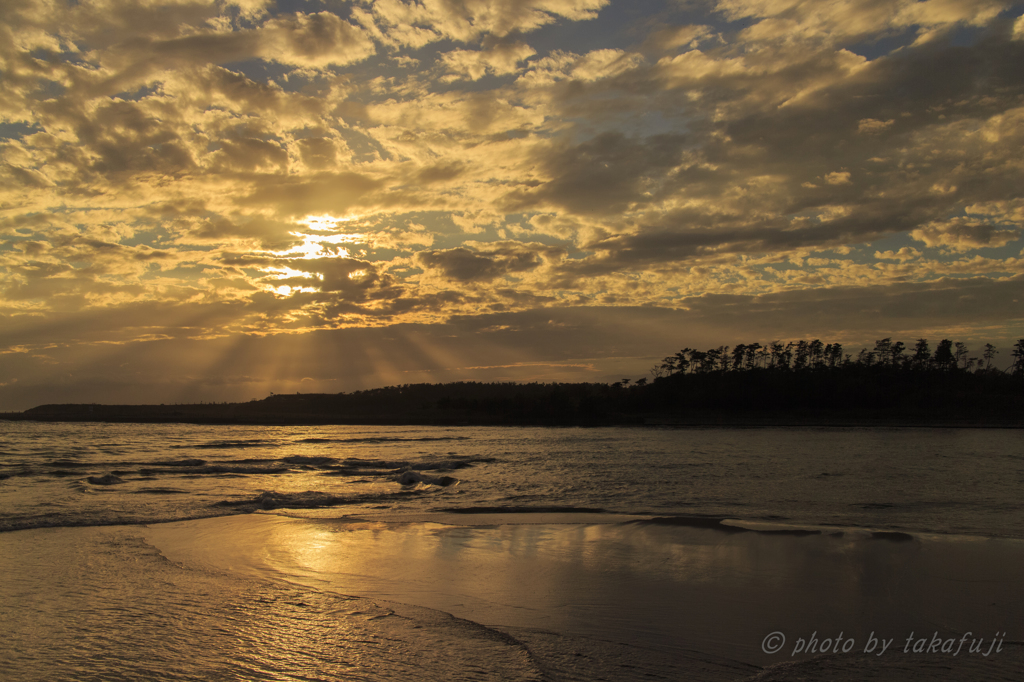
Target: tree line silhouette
x,y
808,382
889,382
814,355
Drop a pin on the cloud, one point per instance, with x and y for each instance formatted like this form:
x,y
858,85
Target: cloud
x,y
873,126
905,254
600,64
335,193
500,60
314,40
193,170
849,20
673,37
256,230
493,261
415,24
964,234
608,173
350,277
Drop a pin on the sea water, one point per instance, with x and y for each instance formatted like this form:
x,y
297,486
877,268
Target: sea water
x,y
343,552
913,479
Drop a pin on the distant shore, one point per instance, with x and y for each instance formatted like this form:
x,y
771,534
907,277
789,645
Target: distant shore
x,y
237,414
846,396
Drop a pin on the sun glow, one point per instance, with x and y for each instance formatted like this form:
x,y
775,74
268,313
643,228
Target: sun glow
x,y
279,273
319,242
325,222
286,290
317,246
314,245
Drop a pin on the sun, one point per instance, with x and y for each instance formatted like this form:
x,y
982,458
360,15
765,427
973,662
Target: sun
x,y
322,236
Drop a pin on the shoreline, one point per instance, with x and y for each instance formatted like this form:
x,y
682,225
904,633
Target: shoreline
x,y
473,517
546,515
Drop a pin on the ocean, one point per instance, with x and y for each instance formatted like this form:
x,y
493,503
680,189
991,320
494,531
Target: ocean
x,y
138,551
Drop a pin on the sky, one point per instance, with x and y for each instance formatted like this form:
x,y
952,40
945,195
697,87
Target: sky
x,y
212,201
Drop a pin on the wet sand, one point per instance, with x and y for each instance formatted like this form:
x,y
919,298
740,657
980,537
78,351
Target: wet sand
x,y
703,599
568,597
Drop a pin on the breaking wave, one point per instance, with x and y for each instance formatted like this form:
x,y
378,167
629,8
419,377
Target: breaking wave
x,y
228,444
383,439
309,499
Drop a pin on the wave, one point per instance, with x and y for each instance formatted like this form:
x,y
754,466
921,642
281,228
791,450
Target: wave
x,y
543,509
274,500
718,523
738,525
383,439
108,472
310,461
109,479
414,477
413,485
309,499
213,470
228,444
430,465
107,518
892,536
730,525
180,462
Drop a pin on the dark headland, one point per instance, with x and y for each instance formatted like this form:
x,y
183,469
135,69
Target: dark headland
x,y
803,383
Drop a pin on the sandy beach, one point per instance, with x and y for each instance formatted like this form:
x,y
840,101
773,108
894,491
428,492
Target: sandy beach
x,y
510,596
669,587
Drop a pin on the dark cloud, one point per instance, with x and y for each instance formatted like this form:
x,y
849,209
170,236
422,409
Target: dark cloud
x,y
684,239
465,265
333,193
416,24
270,234
964,234
123,137
440,173
604,175
917,88
316,40
857,314
24,176
212,82
347,276
319,153
249,154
